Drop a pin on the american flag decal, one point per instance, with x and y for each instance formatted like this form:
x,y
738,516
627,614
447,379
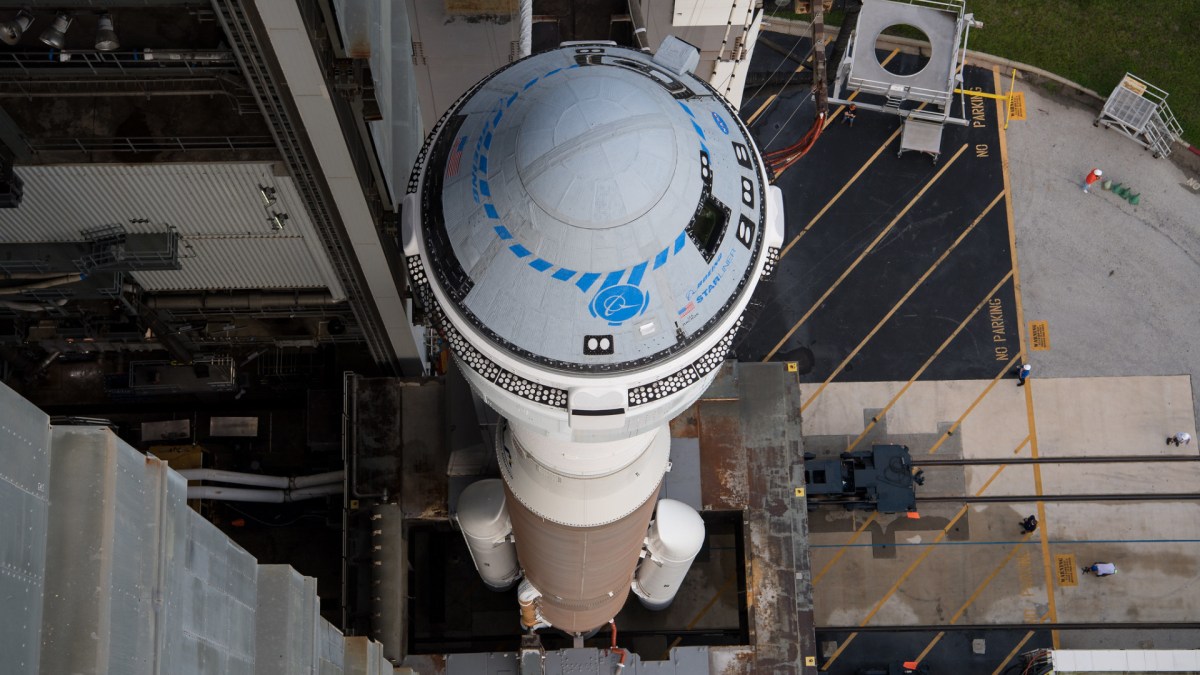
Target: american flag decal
x,y
456,158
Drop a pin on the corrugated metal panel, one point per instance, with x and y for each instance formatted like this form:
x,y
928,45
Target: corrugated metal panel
x,y
24,477
214,201
236,262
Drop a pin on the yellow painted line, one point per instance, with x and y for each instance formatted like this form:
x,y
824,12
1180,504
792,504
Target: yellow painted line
x,y
1037,472
928,362
913,567
1011,655
950,432
928,648
993,477
874,517
704,610
1015,97
1022,445
984,584
870,247
761,108
984,94
1008,207
772,97
895,308
844,548
853,96
1041,513
928,549
840,649
829,120
853,178
839,194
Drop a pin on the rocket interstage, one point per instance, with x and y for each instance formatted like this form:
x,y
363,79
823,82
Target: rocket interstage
x,y
585,227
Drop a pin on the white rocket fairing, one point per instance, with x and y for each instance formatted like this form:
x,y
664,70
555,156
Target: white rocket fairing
x,y
586,227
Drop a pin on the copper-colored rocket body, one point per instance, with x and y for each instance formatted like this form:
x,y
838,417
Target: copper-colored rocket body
x,y
583,573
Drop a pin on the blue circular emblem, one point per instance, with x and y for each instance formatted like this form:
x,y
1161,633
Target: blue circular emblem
x,y
721,123
617,304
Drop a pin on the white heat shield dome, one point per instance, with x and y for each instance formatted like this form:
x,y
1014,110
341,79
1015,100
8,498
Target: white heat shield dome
x,y
676,537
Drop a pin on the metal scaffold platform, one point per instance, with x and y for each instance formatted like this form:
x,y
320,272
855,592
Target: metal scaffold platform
x,y
946,25
1139,110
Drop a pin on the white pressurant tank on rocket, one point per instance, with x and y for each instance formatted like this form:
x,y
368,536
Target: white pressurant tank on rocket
x,y
676,536
585,227
484,522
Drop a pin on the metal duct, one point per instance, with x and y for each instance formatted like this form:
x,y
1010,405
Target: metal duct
x,y
282,482
252,300
264,496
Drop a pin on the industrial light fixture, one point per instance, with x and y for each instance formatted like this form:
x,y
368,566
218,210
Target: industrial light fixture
x,y
268,195
56,35
278,220
106,37
11,31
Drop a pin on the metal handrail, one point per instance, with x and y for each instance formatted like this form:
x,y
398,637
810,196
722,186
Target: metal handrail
x,y
136,60
150,143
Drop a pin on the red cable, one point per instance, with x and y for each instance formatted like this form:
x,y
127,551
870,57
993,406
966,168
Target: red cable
x,y
614,648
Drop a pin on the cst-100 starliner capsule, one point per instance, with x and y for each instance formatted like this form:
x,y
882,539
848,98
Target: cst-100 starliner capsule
x,y
586,227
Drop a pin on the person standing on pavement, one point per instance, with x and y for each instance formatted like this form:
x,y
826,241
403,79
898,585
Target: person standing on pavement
x,y
1093,176
851,113
1181,438
1029,525
1023,374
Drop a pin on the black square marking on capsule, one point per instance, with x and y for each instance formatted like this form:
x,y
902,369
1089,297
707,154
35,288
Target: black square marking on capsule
x,y
745,231
597,345
747,192
706,168
743,154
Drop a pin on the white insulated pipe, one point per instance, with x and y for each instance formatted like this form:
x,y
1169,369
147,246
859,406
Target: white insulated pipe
x,y
259,480
229,494
483,519
676,536
526,27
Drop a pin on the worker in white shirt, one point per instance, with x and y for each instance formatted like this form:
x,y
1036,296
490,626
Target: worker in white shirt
x,y
1101,569
1181,438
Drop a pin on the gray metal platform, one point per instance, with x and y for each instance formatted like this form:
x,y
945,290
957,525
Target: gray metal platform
x,y
921,136
929,84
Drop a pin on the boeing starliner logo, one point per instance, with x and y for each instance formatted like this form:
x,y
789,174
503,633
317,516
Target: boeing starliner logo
x,y
617,304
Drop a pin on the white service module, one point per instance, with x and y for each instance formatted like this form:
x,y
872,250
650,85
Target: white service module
x,y
676,536
585,227
484,522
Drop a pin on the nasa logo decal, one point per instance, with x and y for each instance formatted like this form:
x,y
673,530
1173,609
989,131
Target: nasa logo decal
x,y
721,123
617,304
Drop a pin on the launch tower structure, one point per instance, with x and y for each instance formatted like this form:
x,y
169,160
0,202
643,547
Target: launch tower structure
x,y
585,227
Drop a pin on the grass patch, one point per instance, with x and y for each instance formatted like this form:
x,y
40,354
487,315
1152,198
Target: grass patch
x,y
1095,42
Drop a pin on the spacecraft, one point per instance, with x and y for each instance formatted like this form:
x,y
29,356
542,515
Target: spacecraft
x,y
585,227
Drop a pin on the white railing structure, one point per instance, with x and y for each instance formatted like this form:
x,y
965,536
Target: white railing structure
x,y
924,99
1139,110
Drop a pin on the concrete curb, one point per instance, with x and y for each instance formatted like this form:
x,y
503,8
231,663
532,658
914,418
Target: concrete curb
x,y
1184,155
